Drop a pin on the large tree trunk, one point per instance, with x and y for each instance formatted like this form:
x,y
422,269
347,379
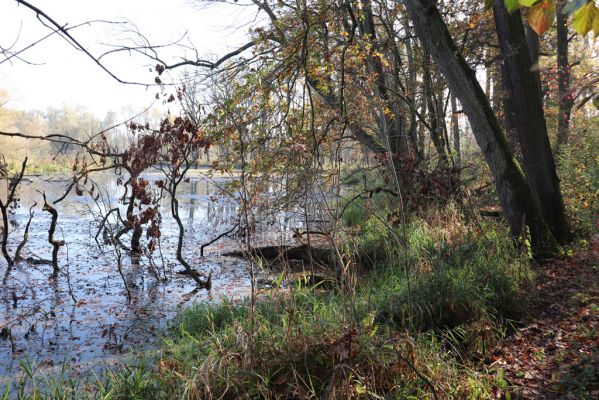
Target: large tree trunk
x,y
564,94
522,83
509,123
514,193
534,50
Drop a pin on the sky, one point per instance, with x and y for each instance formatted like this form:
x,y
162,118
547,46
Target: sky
x,y
58,74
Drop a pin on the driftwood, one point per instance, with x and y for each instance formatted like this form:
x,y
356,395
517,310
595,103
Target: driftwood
x,y
303,252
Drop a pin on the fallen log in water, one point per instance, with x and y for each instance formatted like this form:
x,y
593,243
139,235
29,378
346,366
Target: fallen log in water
x,y
303,252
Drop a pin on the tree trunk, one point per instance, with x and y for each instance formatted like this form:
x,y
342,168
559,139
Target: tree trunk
x,y
523,86
509,120
497,89
392,127
433,110
411,85
514,193
534,51
455,129
564,94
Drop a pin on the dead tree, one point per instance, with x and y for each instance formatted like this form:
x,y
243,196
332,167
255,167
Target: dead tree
x,y
11,202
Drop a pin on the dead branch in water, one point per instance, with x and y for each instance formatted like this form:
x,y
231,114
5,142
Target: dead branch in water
x,y
56,244
202,247
25,234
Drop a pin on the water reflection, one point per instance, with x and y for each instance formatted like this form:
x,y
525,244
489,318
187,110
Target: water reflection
x,y
87,319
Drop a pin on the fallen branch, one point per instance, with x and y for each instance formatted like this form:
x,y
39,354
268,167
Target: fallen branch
x,y
302,252
217,239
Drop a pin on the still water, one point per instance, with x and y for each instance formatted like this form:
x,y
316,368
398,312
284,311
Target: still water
x,y
84,318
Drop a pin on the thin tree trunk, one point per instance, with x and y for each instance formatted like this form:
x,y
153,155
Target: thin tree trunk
x,y
514,193
411,85
564,94
531,129
497,89
392,126
433,110
455,129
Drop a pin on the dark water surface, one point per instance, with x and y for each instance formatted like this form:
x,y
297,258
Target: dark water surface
x,y
95,325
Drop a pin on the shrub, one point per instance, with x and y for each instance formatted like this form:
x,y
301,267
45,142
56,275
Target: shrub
x,y
578,167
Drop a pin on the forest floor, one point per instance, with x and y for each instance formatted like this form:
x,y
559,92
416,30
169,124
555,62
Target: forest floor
x,y
554,354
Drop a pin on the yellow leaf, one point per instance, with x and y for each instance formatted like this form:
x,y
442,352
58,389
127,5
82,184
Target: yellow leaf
x,y
584,18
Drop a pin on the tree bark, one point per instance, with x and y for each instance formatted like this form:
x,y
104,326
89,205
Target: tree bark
x,y
509,120
523,87
534,50
514,193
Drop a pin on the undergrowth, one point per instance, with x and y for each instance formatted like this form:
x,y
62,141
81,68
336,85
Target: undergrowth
x,y
578,167
379,335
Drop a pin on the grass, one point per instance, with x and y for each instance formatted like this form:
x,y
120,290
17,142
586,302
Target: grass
x,y
375,337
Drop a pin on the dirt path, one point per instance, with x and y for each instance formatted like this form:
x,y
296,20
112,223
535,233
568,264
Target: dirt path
x,y
555,355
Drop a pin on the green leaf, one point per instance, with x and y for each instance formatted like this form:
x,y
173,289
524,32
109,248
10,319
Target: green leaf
x,y
527,3
512,5
584,18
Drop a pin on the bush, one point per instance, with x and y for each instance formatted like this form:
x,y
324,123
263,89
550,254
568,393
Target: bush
x,y
578,167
